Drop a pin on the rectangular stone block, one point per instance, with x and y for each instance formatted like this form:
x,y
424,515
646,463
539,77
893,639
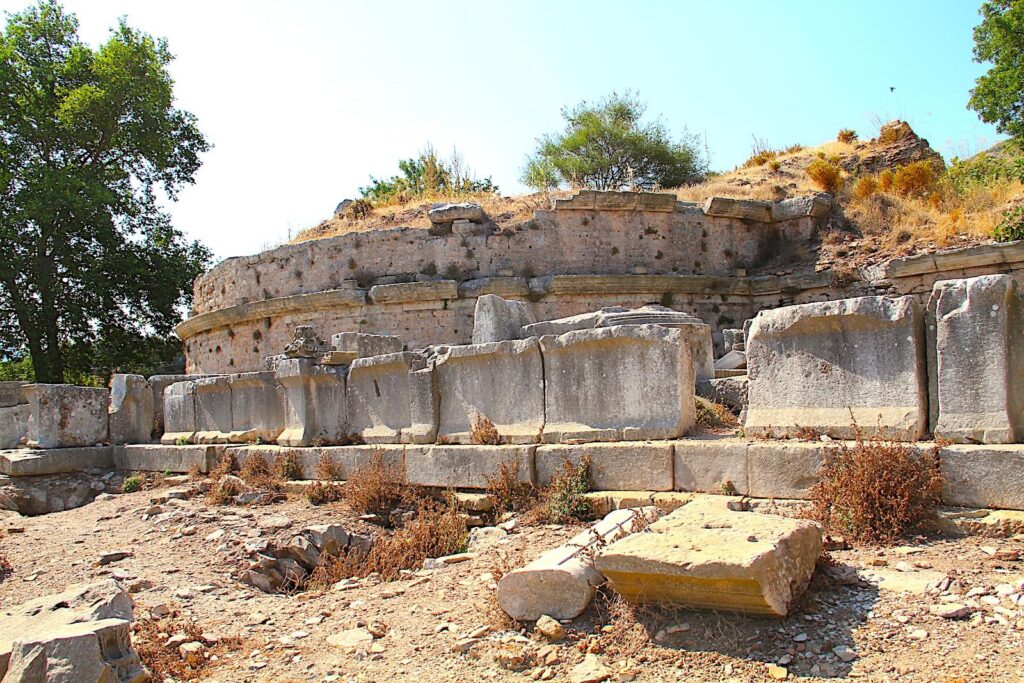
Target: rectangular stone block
x,y
976,360
130,413
34,463
744,209
65,416
13,425
502,381
347,346
158,384
161,458
314,403
822,366
631,382
11,394
984,476
345,459
784,469
257,407
464,466
623,466
392,399
711,465
213,409
179,407
496,319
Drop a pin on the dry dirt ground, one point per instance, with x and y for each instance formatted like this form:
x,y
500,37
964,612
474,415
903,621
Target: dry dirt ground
x,y
885,633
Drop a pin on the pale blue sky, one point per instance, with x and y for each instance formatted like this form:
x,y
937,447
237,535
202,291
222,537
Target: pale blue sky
x,y
303,100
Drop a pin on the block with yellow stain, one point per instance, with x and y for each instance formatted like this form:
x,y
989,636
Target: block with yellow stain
x,y
706,556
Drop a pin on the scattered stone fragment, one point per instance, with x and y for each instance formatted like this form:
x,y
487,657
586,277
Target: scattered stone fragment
x,y
779,673
951,610
351,640
550,628
113,556
591,670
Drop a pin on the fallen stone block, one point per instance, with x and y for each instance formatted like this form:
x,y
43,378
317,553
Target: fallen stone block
x,y
983,476
502,381
31,463
64,416
623,466
392,399
38,619
822,366
90,652
496,319
257,407
164,458
729,391
465,466
976,360
562,582
734,360
711,465
348,346
213,409
179,407
631,383
130,413
158,384
13,425
314,403
449,213
705,556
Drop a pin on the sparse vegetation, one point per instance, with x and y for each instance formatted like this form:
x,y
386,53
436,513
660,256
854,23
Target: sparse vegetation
x,y
564,500
327,469
132,484
165,661
847,136
875,491
427,176
825,174
286,466
376,488
507,492
1012,226
483,432
711,415
323,492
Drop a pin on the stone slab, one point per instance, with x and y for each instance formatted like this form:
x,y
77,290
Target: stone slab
x,y
631,382
345,459
497,319
314,405
635,466
711,465
11,394
213,409
825,365
392,398
705,556
66,416
984,476
161,458
347,346
502,381
407,292
785,469
743,209
465,466
179,408
13,425
130,413
257,407
31,463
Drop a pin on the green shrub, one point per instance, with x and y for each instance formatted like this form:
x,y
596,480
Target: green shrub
x,y
1012,226
565,498
132,484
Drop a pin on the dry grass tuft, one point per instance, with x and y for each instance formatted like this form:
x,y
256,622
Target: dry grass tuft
x,y
259,475
327,469
875,491
321,492
915,179
166,663
507,493
226,464
287,467
483,432
377,488
847,135
711,415
825,174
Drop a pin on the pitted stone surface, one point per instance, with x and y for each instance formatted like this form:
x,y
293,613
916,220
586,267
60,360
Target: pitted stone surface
x,y
257,407
213,409
130,413
65,416
825,365
314,405
179,407
392,398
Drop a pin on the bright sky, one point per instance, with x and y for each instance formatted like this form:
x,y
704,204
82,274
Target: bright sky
x,y
304,100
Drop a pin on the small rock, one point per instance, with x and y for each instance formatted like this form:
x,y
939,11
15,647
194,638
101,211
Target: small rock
x,y
590,670
844,653
465,645
351,639
190,649
113,556
779,673
951,610
550,628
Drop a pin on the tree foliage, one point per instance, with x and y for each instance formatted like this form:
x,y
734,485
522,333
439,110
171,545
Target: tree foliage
x,y
426,175
91,269
998,95
607,146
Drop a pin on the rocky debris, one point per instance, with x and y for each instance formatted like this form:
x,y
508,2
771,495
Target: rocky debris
x,y
113,556
560,583
730,391
951,610
550,628
305,343
45,494
896,145
84,630
274,567
706,556
591,670
441,214
339,210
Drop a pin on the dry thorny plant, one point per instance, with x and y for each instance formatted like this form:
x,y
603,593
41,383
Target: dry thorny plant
x,y
483,432
377,488
166,662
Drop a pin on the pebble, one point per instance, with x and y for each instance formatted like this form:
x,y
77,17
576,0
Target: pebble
x,y
550,629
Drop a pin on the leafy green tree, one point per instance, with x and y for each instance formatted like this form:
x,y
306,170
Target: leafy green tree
x,y
608,146
427,175
998,95
90,266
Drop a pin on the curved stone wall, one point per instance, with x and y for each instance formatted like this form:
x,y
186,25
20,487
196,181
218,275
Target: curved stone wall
x,y
595,250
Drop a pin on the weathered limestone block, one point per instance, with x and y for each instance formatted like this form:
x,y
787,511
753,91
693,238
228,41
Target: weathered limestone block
x,y
502,381
314,403
407,292
13,425
624,466
213,409
90,652
257,407
983,476
744,209
630,383
347,346
730,391
449,213
158,384
34,462
784,469
496,319
12,394
392,399
976,360
823,365
130,413
63,416
562,582
711,465
179,407
734,360
465,466
705,556
161,458
83,604
733,339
